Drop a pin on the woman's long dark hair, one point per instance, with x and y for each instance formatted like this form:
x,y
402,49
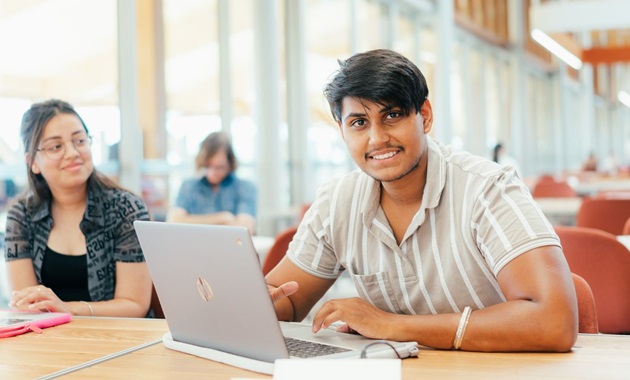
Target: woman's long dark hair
x,y
34,122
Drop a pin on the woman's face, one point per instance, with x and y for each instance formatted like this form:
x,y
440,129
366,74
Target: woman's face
x,y
217,167
64,154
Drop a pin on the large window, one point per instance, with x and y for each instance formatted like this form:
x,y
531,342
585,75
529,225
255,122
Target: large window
x,y
61,49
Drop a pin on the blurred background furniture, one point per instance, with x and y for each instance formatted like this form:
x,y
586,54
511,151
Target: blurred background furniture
x,y
607,214
604,263
550,188
560,211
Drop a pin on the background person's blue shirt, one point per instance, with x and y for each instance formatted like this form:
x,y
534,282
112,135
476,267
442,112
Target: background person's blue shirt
x,y
235,195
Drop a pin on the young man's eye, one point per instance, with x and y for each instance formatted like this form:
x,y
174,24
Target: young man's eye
x,y
358,123
393,115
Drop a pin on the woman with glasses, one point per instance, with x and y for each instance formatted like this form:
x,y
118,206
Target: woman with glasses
x,y
217,196
70,242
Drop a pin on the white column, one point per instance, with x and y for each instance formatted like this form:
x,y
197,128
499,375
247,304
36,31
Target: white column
x,y
225,72
298,116
518,143
441,100
267,114
587,109
131,143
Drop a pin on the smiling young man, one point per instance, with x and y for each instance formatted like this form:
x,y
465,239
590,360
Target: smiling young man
x,y
445,248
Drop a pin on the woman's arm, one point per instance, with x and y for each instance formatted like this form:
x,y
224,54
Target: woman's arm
x,y
21,274
132,296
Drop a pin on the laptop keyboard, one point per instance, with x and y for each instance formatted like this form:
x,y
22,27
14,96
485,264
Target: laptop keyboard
x,y
305,349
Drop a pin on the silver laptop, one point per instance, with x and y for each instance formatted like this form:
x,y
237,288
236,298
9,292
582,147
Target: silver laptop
x,y
213,294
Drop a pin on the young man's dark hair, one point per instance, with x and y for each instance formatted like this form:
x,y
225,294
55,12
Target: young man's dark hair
x,y
378,76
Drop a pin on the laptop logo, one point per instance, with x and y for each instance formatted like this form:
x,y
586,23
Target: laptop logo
x,y
204,289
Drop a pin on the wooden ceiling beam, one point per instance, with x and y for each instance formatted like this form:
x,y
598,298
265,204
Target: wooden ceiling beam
x,y
606,55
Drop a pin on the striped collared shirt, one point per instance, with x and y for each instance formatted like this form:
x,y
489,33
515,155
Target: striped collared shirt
x,y
475,217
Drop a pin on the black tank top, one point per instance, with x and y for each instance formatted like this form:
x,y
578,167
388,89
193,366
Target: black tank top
x,y
66,275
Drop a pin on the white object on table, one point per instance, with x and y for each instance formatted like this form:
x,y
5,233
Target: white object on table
x,y
560,210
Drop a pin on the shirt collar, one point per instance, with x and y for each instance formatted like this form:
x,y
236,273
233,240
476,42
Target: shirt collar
x,y
94,209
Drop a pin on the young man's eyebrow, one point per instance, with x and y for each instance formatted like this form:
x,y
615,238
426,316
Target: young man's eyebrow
x,y
353,114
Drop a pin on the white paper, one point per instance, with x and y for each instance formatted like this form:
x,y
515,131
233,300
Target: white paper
x,y
337,369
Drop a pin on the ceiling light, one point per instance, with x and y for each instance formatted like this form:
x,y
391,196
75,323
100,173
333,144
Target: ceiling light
x,y
556,49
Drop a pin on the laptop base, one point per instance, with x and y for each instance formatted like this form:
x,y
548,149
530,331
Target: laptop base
x,y
218,356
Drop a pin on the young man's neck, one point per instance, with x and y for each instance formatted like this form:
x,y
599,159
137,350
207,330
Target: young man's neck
x,y
408,190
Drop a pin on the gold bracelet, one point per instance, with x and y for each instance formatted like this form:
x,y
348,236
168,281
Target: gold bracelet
x,y
89,307
461,328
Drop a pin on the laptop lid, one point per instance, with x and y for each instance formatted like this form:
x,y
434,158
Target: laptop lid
x,y
211,288
213,293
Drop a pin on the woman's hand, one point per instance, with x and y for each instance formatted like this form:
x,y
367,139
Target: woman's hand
x,y
38,298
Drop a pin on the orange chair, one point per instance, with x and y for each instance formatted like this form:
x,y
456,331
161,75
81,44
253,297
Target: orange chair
x,y
553,189
607,214
587,311
626,227
279,248
604,263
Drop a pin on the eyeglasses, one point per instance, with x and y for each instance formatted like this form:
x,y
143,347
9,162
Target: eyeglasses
x,y
56,150
217,168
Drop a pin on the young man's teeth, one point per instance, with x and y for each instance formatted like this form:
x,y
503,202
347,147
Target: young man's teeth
x,y
384,156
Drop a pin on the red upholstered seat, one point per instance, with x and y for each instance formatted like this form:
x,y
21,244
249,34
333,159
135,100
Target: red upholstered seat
x,y
607,214
586,306
604,263
278,249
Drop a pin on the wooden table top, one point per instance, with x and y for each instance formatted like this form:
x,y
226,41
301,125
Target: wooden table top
x,y
84,339
32,355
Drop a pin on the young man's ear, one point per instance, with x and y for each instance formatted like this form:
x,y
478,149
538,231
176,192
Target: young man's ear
x,y
427,115
34,166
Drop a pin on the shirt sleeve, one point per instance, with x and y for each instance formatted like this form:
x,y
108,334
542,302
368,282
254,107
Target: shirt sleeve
x,y
18,238
127,247
312,248
508,222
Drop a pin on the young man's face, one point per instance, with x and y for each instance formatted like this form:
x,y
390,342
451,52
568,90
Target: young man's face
x,y
385,144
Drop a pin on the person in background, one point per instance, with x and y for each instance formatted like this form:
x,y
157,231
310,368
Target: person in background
x,y
445,248
218,196
591,163
70,244
501,157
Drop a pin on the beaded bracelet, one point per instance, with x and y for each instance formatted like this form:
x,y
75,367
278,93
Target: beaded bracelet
x,y
461,328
